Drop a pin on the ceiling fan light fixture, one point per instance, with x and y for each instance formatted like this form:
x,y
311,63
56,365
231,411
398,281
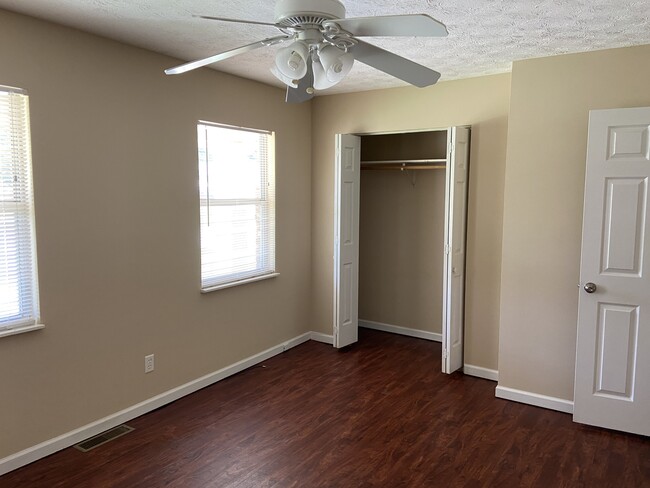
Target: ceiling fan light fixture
x,y
320,78
291,61
287,80
336,63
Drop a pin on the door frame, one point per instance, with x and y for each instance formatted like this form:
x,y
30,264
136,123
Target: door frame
x,y
337,216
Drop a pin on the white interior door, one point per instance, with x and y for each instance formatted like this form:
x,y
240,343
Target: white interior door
x,y
346,239
453,305
612,387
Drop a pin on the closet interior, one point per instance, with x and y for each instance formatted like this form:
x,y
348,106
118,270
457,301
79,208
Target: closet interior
x,y
402,232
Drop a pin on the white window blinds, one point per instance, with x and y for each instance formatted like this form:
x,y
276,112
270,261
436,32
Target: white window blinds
x,y
237,197
18,278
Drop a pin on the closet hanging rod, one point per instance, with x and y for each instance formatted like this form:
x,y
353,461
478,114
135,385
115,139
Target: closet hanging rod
x,y
384,167
407,161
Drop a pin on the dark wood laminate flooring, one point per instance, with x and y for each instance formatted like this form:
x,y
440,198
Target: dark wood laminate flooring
x,y
377,415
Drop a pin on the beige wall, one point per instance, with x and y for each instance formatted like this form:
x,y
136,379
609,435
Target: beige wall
x,y
547,140
117,221
115,174
482,103
401,240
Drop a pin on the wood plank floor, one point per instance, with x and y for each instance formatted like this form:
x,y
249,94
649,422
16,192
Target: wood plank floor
x,y
377,415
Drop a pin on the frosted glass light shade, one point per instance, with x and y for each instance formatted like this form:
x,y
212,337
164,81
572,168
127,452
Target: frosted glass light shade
x,y
293,83
336,63
291,61
320,79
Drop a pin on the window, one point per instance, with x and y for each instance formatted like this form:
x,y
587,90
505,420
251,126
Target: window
x,y
237,194
18,279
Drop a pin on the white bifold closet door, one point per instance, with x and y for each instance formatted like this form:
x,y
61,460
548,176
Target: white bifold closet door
x,y
453,304
346,239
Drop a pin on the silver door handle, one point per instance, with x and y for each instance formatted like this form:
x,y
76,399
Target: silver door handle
x,y
590,287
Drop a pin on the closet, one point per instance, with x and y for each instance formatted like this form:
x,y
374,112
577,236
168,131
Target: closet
x,y
400,218
401,232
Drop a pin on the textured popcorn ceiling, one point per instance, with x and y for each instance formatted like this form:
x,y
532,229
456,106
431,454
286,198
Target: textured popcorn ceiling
x,y
485,36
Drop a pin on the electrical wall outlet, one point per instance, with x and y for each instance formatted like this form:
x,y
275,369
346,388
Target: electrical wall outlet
x,y
148,363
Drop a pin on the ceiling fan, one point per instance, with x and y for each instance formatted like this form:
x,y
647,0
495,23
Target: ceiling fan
x,y
326,44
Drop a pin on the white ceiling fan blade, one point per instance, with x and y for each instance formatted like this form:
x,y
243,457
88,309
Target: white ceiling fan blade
x,y
300,93
394,65
417,25
183,68
240,21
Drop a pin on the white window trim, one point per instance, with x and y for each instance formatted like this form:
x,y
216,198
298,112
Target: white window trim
x,y
35,323
239,282
270,174
20,329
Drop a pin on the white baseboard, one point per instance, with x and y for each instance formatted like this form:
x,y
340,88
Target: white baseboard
x,y
479,372
396,329
68,439
296,341
552,403
317,336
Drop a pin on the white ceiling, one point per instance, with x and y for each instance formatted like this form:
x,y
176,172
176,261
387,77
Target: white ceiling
x,y
485,36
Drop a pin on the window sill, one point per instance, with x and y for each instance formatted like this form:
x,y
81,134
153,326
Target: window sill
x,y
240,282
20,330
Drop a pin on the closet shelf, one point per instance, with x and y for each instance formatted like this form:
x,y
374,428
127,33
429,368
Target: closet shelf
x,y
405,164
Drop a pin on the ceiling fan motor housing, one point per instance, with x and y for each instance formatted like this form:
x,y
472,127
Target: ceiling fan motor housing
x,y
299,13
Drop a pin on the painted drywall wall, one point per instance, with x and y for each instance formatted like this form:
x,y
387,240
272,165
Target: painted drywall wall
x,y
401,244
547,140
482,103
115,176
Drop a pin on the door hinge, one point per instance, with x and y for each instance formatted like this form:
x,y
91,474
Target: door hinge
x,y
447,249
444,353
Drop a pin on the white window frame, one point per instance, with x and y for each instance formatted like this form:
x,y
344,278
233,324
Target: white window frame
x,y
265,243
18,266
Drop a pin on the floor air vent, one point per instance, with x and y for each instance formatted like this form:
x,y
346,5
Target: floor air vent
x,y
103,438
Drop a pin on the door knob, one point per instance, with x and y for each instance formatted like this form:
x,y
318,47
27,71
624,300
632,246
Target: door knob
x,y
590,287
